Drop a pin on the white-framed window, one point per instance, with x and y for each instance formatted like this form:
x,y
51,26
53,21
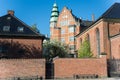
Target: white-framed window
x,y
20,29
65,16
71,29
6,28
72,47
8,18
62,39
64,23
62,31
71,38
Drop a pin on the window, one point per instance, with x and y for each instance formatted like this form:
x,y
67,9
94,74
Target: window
x,y
6,28
80,41
72,47
65,16
8,18
62,31
62,40
64,23
71,38
71,29
98,41
20,29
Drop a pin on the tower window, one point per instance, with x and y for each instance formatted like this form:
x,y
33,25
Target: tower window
x,y
64,23
62,31
62,39
20,29
6,28
72,47
71,38
71,29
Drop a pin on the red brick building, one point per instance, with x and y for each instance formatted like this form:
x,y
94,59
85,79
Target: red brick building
x,y
18,40
64,26
103,34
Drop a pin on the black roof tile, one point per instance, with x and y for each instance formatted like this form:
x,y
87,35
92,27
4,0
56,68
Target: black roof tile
x,y
14,23
112,12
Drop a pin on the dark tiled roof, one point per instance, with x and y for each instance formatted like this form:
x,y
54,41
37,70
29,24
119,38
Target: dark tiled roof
x,y
14,23
112,13
85,24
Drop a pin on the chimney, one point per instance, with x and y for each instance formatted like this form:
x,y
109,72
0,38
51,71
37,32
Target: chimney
x,y
93,17
11,12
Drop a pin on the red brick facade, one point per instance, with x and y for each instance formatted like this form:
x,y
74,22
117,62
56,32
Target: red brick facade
x,y
67,68
10,68
115,47
34,46
107,29
62,31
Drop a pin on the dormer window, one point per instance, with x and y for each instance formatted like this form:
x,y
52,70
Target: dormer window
x,y
8,18
6,28
20,29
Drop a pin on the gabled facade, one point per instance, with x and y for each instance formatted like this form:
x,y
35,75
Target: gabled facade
x,y
64,27
16,37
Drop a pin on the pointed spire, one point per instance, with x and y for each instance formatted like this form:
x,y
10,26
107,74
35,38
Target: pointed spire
x,y
54,13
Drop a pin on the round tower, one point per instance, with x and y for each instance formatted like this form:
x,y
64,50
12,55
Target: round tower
x,y
54,15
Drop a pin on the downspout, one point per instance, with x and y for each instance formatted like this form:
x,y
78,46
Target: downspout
x,y
109,39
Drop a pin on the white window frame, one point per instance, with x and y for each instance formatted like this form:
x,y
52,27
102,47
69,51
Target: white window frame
x,y
71,29
71,38
6,28
20,29
62,39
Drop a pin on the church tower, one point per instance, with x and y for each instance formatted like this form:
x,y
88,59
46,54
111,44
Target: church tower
x,y
54,15
54,31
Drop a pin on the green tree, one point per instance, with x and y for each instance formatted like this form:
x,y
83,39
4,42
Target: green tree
x,y
34,28
85,50
52,49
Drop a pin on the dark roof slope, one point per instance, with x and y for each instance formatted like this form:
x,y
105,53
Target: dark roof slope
x,y
112,12
14,23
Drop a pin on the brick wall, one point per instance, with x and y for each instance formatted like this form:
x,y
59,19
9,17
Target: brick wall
x,y
114,28
33,47
31,42
67,68
22,68
92,37
115,47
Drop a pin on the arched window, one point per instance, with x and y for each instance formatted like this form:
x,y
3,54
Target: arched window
x,y
98,41
88,37
80,41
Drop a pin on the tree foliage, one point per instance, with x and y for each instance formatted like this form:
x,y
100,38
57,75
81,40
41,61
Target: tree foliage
x,y
34,28
52,49
85,50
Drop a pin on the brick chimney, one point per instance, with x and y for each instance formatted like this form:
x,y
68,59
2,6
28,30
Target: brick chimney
x,y
11,12
93,17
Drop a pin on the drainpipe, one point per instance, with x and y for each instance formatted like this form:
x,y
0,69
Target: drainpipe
x,y
109,39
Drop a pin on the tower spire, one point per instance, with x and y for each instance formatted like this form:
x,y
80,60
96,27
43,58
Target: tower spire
x,y
54,14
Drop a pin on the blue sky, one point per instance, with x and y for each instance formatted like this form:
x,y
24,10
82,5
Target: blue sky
x,y
39,11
